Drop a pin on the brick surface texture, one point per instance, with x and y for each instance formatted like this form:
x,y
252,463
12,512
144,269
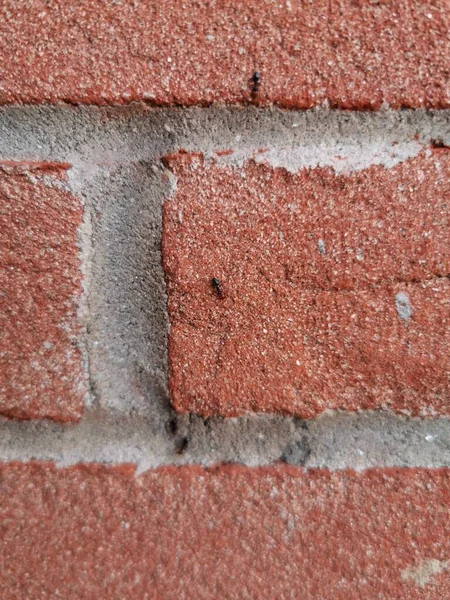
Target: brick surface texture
x,y
293,294
334,289
41,374
349,53
275,533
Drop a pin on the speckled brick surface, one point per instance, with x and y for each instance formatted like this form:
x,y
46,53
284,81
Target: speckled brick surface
x,y
349,53
332,290
41,374
230,532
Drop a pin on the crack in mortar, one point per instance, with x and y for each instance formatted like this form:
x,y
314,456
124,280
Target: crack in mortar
x,y
117,171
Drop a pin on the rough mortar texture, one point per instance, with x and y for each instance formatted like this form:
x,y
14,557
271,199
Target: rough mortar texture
x,y
117,171
41,370
346,53
336,440
93,531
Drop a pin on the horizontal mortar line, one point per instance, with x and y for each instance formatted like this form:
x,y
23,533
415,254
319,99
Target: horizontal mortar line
x,y
132,134
237,158
155,159
335,441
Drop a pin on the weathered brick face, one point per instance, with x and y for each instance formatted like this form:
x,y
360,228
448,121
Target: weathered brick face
x,y
333,288
231,532
262,339
350,54
41,374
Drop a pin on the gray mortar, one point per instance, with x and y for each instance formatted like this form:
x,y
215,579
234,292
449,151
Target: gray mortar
x,y
117,170
333,441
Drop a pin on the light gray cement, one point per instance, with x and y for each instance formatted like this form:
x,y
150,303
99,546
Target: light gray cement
x,y
117,170
333,441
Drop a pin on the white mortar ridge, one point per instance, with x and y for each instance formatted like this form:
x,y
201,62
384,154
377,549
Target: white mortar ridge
x,y
116,157
342,140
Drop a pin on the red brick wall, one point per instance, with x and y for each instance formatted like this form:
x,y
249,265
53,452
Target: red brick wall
x,y
40,362
291,296
355,54
314,270
229,532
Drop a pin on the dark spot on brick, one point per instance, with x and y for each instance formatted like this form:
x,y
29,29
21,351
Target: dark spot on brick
x,y
438,143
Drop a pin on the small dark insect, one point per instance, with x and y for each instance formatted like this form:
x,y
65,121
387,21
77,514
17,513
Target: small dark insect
x,y
182,445
217,287
438,143
172,426
256,80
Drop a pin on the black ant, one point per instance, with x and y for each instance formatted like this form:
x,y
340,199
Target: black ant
x,y
182,446
172,426
438,143
217,287
256,80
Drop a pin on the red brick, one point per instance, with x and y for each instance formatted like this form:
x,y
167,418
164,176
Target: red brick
x,y
311,266
41,374
230,532
351,53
